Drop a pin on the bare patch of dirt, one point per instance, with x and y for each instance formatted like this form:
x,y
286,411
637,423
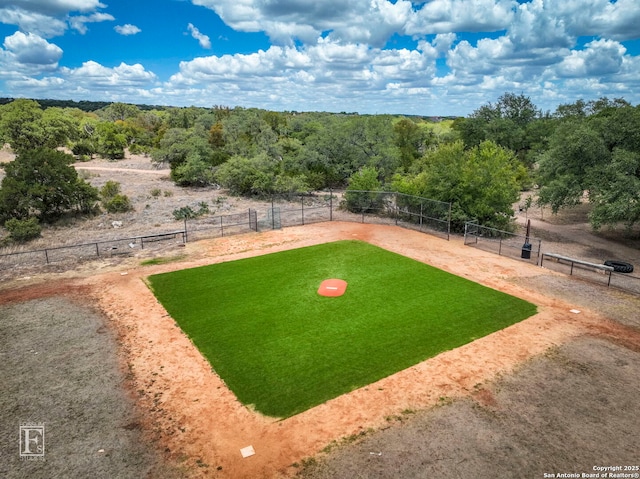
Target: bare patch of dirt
x,y
60,369
491,396
565,411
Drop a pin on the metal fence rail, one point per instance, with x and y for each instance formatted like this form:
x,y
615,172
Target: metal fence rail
x,y
224,225
596,273
504,243
416,213
90,250
413,212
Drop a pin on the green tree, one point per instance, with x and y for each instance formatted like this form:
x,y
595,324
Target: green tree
x,y
42,183
594,151
111,141
482,183
25,126
364,191
408,138
507,123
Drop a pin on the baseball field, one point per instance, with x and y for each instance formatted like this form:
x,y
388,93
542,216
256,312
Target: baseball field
x,y
283,348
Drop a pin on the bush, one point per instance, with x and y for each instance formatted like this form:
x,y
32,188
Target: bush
x,y
112,200
186,212
22,231
118,204
110,189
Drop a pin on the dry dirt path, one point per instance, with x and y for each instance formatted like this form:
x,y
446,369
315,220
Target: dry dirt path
x,y
123,170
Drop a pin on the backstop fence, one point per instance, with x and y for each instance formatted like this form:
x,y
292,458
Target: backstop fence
x,y
279,211
504,243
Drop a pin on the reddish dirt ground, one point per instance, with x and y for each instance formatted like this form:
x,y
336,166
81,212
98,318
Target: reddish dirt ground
x,y
198,421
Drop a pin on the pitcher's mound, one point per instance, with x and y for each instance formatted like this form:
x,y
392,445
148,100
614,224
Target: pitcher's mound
x,y
332,287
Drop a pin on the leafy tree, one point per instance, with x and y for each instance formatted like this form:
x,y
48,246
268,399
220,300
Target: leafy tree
x,y
594,150
409,139
567,169
42,183
25,126
506,123
119,111
482,183
194,171
616,197
111,141
363,192
258,176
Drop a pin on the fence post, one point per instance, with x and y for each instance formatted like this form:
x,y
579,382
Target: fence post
x,y
46,256
449,224
221,227
302,204
185,231
331,203
273,216
141,242
500,247
97,251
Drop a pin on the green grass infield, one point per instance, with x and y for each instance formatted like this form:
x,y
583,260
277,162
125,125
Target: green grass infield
x,y
282,348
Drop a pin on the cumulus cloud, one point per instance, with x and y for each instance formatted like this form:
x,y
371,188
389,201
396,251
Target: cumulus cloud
x,y
79,22
127,29
371,21
94,75
204,40
33,22
444,16
30,49
56,7
599,58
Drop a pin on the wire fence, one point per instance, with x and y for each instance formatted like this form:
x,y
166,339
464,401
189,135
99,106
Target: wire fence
x,y
86,251
281,211
529,249
412,212
595,273
504,243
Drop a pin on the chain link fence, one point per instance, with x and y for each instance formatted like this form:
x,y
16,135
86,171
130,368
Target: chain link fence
x,y
504,243
279,211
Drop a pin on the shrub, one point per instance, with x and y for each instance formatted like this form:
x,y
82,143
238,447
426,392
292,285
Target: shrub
x,y
110,189
186,212
118,204
112,200
22,231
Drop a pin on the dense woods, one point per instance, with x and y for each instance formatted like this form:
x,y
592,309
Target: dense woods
x,y
480,163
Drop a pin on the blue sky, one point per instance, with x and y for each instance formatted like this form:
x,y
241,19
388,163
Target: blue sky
x,y
435,57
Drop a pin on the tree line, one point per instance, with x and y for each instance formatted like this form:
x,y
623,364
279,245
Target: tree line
x,y
480,163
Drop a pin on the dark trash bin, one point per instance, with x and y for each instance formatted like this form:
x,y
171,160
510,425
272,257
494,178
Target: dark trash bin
x,y
526,251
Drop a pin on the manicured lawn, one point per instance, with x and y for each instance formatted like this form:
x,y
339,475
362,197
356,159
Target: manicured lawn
x,y
282,348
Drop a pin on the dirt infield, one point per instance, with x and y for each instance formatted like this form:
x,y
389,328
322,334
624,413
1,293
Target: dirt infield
x,y
187,413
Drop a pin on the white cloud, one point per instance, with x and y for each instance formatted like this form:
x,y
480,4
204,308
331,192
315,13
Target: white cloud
x,y
371,21
79,22
445,16
33,22
32,50
599,58
204,40
96,77
55,7
127,29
